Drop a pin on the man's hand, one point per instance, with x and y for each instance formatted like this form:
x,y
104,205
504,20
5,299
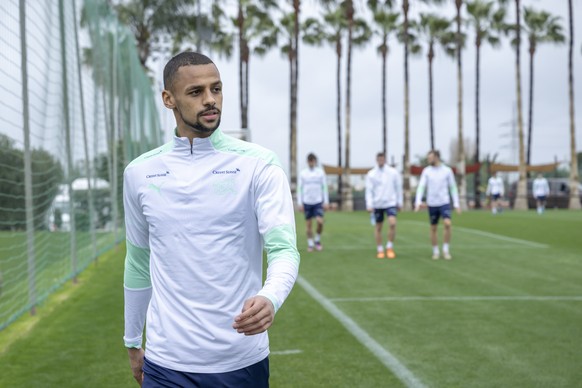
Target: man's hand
x,y
458,209
326,206
416,208
300,208
257,316
136,362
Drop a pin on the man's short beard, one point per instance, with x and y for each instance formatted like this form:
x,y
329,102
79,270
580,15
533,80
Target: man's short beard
x,y
197,126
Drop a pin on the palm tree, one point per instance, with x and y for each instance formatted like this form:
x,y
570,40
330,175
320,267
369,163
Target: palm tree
x,y
406,38
358,34
331,31
386,22
461,161
257,29
289,49
521,190
541,27
487,24
574,199
155,22
436,30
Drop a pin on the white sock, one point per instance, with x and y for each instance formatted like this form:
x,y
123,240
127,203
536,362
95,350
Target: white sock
x,y
380,248
310,242
317,238
494,210
446,248
435,250
389,245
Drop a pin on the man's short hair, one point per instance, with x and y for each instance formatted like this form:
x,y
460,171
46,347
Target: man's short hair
x,y
187,58
380,154
435,153
311,157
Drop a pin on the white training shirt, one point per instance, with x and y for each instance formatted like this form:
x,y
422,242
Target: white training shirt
x,y
438,181
540,187
197,219
312,187
495,186
383,188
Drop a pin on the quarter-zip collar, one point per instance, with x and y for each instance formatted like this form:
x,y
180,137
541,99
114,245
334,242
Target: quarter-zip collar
x,y
199,144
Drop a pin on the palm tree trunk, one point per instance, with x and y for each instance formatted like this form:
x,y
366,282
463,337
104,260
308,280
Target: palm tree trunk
x,y
521,192
461,162
347,202
530,113
294,63
384,113
293,125
477,128
406,163
430,99
241,49
574,194
339,125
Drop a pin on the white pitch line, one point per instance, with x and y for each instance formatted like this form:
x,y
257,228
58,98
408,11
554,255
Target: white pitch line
x,y
383,355
286,352
458,298
494,236
503,238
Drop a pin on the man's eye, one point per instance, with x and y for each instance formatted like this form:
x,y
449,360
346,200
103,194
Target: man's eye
x,y
217,89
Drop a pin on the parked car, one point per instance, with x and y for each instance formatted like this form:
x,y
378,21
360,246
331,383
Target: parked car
x,y
559,193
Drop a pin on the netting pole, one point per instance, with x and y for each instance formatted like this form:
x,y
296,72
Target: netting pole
x,y
85,138
27,163
114,129
68,141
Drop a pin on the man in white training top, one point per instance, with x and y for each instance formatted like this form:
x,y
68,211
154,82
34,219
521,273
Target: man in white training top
x,y
495,191
313,199
383,197
541,190
438,180
199,211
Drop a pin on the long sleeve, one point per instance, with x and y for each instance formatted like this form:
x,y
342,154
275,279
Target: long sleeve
x,y
398,190
369,192
488,191
137,285
453,189
274,210
300,189
420,189
325,188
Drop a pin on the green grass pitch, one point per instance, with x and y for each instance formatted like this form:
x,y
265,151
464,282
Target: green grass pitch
x,y
505,312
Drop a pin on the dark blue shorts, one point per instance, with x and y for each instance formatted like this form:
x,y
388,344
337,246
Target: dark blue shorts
x,y
541,198
496,196
313,210
254,376
436,212
390,212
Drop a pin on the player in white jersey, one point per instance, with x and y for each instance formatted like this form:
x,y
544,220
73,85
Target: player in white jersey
x,y
438,180
199,211
383,197
495,191
541,190
313,199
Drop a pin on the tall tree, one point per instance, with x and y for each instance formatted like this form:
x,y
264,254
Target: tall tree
x,y
155,23
409,48
436,31
540,27
521,190
386,22
289,49
487,23
358,34
461,174
574,194
331,31
256,34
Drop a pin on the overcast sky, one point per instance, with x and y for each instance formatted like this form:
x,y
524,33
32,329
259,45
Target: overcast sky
x,y
269,101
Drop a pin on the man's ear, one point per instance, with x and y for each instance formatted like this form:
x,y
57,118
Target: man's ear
x,y
168,99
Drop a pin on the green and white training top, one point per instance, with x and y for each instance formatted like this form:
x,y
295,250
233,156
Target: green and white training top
x,y
197,219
